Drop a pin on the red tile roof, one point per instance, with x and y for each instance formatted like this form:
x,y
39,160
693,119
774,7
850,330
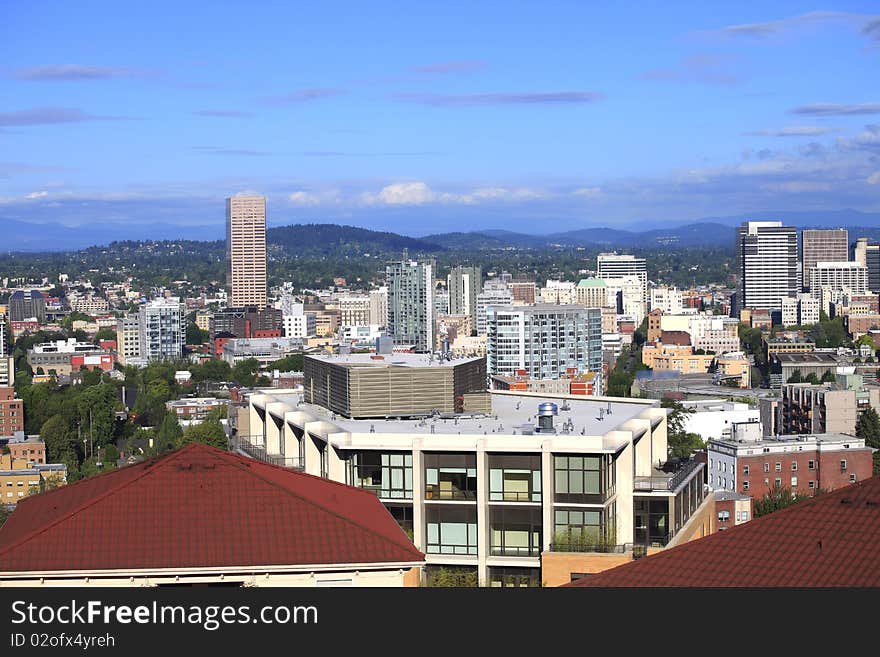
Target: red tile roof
x,y
201,507
830,541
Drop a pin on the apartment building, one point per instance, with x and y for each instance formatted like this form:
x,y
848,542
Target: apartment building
x,y
26,448
613,265
194,408
559,292
411,303
680,358
354,310
753,464
839,276
128,338
162,329
591,293
464,284
22,477
525,292
544,340
503,492
668,300
11,412
825,408
494,293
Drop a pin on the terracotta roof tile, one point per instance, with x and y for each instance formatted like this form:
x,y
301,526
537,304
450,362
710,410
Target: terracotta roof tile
x,y
832,540
201,507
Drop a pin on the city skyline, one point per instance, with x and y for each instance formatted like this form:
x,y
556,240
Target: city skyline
x,y
389,121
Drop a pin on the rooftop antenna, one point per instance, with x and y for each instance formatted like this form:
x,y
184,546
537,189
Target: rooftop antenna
x,y
609,411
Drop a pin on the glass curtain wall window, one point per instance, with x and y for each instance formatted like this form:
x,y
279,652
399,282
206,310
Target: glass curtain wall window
x,y
389,475
451,476
515,477
583,479
580,530
651,521
515,531
451,529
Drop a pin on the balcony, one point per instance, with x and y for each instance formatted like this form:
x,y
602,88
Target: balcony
x,y
253,446
446,491
666,480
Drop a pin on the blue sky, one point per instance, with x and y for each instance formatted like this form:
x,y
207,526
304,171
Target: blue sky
x,y
426,117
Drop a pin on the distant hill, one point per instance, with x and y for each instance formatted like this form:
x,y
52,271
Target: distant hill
x,y
330,239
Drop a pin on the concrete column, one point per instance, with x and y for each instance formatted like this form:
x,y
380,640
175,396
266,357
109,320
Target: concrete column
x,y
313,455
273,432
547,492
419,538
336,464
483,529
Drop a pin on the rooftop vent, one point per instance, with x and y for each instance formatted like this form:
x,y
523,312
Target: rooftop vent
x,y
546,411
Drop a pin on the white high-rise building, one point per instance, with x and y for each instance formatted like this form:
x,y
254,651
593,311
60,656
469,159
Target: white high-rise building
x,y
612,265
627,295
354,310
767,254
668,299
495,293
411,303
162,328
296,322
559,292
246,251
545,340
839,276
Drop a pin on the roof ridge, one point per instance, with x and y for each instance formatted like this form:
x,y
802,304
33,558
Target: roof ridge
x,y
409,546
164,458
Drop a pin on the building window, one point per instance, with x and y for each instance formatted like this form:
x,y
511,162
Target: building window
x,y
777,482
387,475
811,465
579,479
745,469
723,516
577,530
451,529
793,482
745,516
843,464
794,466
651,521
745,485
766,467
515,477
778,466
515,531
852,478
451,476
515,577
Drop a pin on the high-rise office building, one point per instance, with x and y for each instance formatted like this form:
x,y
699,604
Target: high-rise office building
x,y
162,324
612,265
830,245
379,306
767,255
464,284
246,250
25,304
545,340
872,262
840,276
494,293
411,303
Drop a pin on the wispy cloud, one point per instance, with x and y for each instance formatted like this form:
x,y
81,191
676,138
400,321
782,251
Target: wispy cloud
x,y
221,113
36,195
705,68
367,154
302,96
216,150
792,131
420,193
69,72
460,66
768,28
871,29
837,109
53,115
523,98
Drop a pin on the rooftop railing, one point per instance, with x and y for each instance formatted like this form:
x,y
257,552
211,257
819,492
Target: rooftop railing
x,y
253,446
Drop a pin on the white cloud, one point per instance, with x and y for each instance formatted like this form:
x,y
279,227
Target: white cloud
x,y
874,178
34,195
304,198
797,186
411,193
588,192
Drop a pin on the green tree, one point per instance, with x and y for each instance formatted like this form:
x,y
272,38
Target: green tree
x,y
829,377
680,443
105,334
4,514
796,377
448,577
779,497
811,378
244,372
61,440
209,431
292,363
169,435
868,427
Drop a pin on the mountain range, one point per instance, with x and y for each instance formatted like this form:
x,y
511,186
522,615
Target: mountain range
x,y
716,232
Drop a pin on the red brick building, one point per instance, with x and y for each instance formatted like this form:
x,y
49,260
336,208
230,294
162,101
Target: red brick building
x,y
11,412
754,465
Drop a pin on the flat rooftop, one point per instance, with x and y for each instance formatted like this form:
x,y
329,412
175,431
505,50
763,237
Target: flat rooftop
x,y
390,360
809,357
586,416
793,439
